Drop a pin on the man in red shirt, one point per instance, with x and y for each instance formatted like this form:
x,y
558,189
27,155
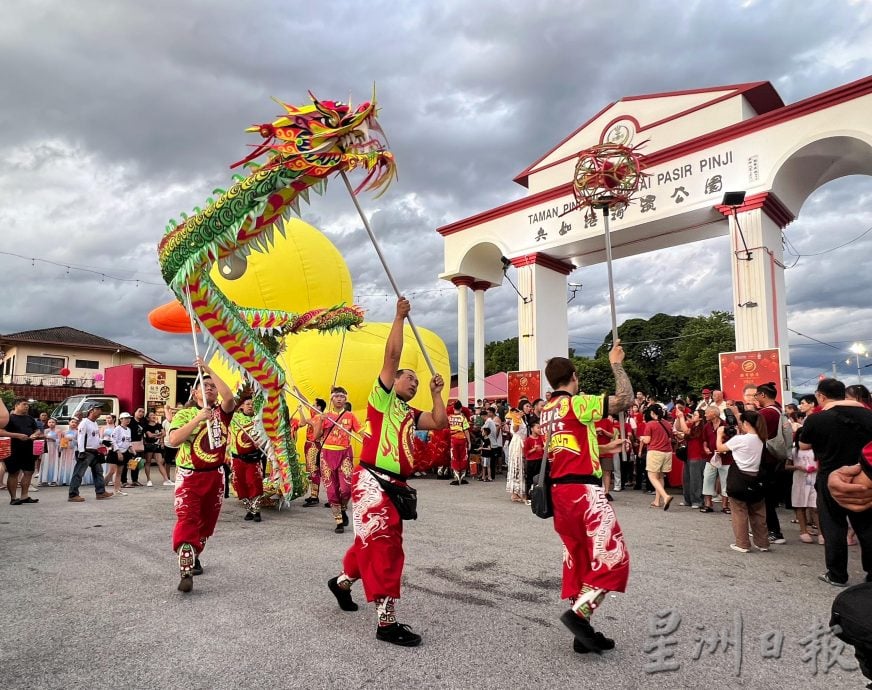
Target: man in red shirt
x,y
312,451
606,432
458,425
595,559
390,455
200,433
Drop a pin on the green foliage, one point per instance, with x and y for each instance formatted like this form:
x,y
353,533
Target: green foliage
x,y
703,339
8,396
501,355
595,375
675,355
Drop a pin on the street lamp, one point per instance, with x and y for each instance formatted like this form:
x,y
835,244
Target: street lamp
x,y
858,349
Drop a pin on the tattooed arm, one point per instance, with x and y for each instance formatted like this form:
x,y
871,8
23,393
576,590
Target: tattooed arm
x,y
623,397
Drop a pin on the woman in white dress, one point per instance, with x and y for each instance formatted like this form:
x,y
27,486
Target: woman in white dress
x,y
51,459
515,479
67,462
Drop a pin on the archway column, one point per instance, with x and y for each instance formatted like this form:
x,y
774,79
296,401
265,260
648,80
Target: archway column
x,y
543,327
479,288
757,266
463,283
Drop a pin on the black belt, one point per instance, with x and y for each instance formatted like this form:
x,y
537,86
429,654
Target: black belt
x,y
392,475
249,457
218,466
576,479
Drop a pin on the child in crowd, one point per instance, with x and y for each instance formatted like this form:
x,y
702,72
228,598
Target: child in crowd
x,y
534,451
803,496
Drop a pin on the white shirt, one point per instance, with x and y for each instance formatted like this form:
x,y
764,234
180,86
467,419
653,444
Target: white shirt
x,y
747,451
121,438
493,433
89,435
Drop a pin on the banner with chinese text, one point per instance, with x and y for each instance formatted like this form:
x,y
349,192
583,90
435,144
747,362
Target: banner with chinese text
x,y
738,369
524,385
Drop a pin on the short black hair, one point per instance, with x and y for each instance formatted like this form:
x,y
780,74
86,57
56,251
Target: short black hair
x,y
457,405
321,404
559,371
832,389
769,389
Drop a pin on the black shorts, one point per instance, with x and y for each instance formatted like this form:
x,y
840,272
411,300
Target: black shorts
x,y
20,461
152,447
119,459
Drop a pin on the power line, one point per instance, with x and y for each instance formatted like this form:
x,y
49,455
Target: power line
x,y
83,269
799,255
815,339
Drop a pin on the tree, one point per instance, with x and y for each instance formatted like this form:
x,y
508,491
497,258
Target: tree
x,y
501,355
595,376
702,339
650,345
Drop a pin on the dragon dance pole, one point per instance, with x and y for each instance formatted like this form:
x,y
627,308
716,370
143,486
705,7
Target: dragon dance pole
x,y
614,312
384,264
213,443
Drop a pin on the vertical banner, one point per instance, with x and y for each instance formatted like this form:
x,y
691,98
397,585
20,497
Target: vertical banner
x,y
757,366
160,387
524,384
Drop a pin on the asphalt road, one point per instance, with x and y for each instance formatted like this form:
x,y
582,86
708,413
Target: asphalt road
x,y
89,600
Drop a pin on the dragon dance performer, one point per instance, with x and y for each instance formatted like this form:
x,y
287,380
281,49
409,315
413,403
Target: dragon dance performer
x,y
595,558
312,451
337,458
247,457
380,488
199,469
460,442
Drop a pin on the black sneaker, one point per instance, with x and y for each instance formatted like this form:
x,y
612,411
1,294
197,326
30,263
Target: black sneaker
x,y
830,581
186,584
339,528
454,482
198,567
257,516
343,596
345,521
398,634
582,629
326,504
309,502
249,516
609,498
603,642
463,481
776,538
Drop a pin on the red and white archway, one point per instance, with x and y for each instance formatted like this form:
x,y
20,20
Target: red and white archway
x,y
700,144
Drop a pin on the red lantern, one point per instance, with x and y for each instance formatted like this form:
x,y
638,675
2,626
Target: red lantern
x,y
65,372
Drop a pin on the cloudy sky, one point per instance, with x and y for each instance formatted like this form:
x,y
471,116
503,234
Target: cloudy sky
x,y
117,116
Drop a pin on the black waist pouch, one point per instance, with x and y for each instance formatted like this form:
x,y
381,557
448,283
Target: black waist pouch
x,y
403,496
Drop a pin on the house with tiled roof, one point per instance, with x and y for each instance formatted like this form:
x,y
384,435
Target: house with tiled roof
x,y
59,359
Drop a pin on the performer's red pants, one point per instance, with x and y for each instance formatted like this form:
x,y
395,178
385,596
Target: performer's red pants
x,y
336,468
376,557
594,552
199,496
313,467
459,461
247,478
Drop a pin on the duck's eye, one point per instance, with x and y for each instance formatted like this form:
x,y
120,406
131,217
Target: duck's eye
x,y
233,266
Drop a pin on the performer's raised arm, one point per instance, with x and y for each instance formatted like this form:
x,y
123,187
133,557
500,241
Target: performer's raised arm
x,y
394,345
623,397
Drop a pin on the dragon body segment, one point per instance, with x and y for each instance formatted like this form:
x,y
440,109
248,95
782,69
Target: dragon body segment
x,y
301,149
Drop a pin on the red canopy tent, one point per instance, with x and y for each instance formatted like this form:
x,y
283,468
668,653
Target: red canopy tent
x,y
496,387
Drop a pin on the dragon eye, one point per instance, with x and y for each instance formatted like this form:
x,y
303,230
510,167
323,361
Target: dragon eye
x,y
233,267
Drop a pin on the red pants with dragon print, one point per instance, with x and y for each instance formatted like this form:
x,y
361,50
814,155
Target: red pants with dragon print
x,y
247,478
199,496
336,466
376,557
594,552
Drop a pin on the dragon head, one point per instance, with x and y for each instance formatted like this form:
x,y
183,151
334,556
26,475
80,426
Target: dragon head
x,y
302,148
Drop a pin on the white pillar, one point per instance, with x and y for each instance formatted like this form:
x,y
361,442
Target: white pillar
x,y
463,284
758,278
543,327
478,337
